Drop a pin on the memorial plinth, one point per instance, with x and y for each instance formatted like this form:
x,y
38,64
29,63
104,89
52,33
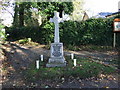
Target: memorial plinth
x,y
57,59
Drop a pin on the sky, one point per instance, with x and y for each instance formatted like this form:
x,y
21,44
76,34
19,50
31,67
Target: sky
x,y
95,6
92,7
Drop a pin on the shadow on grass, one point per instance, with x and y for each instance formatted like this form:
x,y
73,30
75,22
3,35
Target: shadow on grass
x,y
23,63
16,62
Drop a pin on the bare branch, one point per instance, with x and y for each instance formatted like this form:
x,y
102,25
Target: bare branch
x,y
8,11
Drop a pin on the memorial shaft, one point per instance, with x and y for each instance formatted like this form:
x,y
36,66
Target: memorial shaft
x,y
57,39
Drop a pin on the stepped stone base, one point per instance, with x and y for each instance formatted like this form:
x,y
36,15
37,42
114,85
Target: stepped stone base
x,y
56,65
57,59
56,62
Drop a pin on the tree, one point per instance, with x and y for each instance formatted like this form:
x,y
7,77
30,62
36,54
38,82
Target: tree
x,y
78,11
20,13
24,11
15,18
5,10
5,5
47,8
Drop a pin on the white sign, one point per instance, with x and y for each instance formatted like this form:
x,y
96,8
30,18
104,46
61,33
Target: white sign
x,y
116,26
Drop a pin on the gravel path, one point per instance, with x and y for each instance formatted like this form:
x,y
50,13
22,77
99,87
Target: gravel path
x,y
19,57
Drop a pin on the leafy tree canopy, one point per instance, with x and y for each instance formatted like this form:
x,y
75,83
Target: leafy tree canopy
x,y
23,10
47,8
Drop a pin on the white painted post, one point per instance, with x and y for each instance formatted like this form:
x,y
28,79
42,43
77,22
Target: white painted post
x,y
37,64
41,57
75,62
114,41
72,56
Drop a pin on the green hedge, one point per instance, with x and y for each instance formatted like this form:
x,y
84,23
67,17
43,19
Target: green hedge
x,y
92,31
43,34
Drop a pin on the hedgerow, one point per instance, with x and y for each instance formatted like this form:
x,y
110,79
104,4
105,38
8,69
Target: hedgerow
x,y
92,31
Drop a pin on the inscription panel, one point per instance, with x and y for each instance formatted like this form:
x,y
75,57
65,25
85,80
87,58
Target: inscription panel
x,y
56,50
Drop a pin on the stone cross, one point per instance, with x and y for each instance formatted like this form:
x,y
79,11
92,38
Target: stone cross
x,y
56,19
57,58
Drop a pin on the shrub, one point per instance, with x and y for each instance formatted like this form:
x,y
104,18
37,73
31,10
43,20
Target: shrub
x,y
72,33
92,31
2,34
43,34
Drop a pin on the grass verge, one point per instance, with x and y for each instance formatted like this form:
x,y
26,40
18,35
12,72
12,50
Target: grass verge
x,y
85,69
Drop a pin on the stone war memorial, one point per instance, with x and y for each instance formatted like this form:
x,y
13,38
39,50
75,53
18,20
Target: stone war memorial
x,y
56,52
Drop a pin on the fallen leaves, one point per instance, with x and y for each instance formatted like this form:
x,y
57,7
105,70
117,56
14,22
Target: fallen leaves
x,y
110,77
105,87
34,84
23,68
112,53
102,76
11,68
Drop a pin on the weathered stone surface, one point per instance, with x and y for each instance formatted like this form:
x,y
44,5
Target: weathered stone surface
x,y
57,58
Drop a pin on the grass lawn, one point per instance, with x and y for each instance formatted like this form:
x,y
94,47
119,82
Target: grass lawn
x,y
85,69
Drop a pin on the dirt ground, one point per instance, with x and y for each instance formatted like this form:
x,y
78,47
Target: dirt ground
x,y
15,58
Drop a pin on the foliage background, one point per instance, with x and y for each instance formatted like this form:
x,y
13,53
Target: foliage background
x,y
72,33
2,33
92,31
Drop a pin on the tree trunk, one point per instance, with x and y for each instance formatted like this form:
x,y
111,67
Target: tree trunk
x,y
15,18
21,15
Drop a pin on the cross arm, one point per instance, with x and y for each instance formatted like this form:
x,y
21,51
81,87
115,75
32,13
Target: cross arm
x,y
60,20
51,20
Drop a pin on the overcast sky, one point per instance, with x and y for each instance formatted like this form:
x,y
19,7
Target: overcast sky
x,y
95,6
